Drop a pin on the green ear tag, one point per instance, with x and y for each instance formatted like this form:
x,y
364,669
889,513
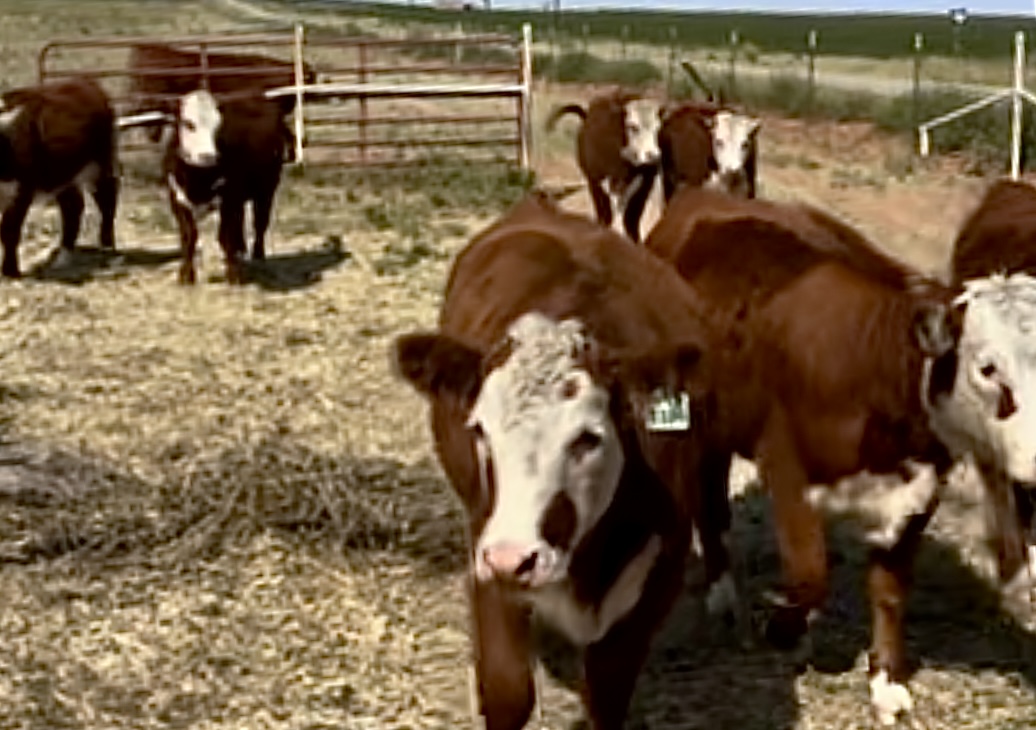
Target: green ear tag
x,y
669,412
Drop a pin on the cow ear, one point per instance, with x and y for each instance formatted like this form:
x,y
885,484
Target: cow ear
x,y
671,369
937,327
435,363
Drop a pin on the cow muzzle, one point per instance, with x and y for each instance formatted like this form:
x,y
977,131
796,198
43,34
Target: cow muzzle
x,y
522,565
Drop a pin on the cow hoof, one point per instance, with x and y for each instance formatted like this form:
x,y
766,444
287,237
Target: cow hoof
x,y
786,628
889,699
11,273
187,276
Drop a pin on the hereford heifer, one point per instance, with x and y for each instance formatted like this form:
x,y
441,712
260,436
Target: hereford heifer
x,y
223,156
1000,237
554,337
701,144
160,74
868,372
617,150
56,139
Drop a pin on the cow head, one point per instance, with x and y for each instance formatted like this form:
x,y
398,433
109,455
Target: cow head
x,y
198,120
981,384
641,120
733,144
543,419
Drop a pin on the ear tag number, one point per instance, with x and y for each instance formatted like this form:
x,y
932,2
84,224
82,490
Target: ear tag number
x,y
669,412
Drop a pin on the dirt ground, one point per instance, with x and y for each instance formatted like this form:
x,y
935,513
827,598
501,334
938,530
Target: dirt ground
x,y
220,509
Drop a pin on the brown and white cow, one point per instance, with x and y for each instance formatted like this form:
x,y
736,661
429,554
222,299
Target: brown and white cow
x,y
999,236
55,140
161,73
617,150
868,372
224,155
555,339
702,144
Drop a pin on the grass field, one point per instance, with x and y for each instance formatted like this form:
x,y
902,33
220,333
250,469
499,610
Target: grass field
x,y
220,509
868,36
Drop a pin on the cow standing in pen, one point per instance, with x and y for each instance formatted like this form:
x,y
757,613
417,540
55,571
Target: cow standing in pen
x,y
161,73
705,145
999,236
572,388
873,379
617,151
57,139
221,157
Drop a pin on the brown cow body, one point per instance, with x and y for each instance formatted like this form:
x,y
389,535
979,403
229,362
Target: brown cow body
x,y
1000,237
55,139
537,259
843,337
619,183
687,139
157,83
243,165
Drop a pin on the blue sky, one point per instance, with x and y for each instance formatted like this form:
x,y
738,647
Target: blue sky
x,y
999,7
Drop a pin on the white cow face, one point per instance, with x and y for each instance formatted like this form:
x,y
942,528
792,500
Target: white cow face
x,y
982,394
641,133
733,141
198,122
551,452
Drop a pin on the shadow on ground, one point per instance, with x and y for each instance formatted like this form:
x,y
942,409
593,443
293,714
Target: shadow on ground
x,y
299,269
88,263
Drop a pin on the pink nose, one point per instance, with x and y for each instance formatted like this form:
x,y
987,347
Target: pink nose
x,y
512,562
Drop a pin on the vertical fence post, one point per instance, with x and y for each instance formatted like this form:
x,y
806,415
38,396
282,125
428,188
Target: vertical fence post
x,y
625,39
1016,104
918,51
203,58
362,121
811,51
525,101
732,75
300,80
586,38
670,61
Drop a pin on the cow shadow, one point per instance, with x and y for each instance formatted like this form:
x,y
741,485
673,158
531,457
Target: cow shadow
x,y
89,263
299,269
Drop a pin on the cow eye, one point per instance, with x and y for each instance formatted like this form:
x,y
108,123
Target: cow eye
x,y
476,430
584,444
988,371
189,125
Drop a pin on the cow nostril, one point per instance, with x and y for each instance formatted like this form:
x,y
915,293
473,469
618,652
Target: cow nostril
x,y
527,565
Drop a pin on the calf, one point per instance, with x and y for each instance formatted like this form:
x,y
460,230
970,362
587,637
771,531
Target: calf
x,y
617,150
55,140
1000,237
555,340
160,74
223,156
702,144
867,371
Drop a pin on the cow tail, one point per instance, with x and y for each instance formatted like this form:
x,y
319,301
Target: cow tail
x,y
562,111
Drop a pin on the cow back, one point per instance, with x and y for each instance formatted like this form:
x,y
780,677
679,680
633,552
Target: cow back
x,y
999,235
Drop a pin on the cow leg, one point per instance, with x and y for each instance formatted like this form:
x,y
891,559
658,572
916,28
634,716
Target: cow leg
x,y
602,203
188,241
612,665
70,202
504,657
722,574
800,534
11,230
232,238
634,209
1004,523
106,195
262,206
889,577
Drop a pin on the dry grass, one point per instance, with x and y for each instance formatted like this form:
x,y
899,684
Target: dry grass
x,y
218,508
